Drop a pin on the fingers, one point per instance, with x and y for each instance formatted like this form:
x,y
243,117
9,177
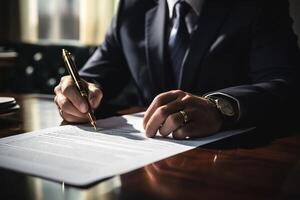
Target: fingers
x,y
178,121
160,115
69,90
95,95
172,123
182,115
161,100
68,108
201,122
71,103
73,119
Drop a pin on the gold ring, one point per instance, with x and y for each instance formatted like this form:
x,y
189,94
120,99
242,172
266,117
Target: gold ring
x,y
185,116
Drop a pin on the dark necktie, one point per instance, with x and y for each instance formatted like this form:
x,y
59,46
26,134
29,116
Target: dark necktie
x,y
179,39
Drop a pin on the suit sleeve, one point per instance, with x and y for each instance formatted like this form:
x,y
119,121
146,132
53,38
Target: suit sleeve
x,y
273,68
107,67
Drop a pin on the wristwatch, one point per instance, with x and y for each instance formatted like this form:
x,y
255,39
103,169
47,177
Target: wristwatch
x,y
225,107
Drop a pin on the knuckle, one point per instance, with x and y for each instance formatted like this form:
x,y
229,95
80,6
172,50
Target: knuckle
x,y
188,94
163,112
62,79
98,93
179,92
57,89
92,85
156,101
66,88
189,99
55,100
63,104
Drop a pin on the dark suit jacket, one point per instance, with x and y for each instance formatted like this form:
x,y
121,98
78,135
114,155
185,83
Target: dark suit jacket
x,y
245,49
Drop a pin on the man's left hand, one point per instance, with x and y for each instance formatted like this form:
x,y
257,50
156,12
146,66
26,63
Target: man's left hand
x,y
183,115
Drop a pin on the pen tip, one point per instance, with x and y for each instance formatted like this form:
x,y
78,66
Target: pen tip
x,y
94,125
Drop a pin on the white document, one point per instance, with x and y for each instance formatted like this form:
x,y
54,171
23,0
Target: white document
x,y
78,155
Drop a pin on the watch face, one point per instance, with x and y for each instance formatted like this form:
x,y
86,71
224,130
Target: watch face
x,y
225,107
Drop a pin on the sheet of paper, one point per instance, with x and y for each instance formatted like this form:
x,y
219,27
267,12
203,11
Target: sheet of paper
x,y
77,155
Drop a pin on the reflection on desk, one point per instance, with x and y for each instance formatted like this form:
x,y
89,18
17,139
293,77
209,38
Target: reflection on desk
x,y
36,112
262,165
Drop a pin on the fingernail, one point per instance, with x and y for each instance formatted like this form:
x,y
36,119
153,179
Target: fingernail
x,y
148,133
83,108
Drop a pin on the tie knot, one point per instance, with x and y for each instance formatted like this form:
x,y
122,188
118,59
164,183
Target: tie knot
x,y
182,8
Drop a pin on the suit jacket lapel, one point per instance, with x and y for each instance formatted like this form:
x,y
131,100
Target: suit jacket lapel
x,y
155,37
212,16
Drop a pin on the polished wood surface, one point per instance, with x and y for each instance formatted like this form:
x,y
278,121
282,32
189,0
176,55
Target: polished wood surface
x,y
261,164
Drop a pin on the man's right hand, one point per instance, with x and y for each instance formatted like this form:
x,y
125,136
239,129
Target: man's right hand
x,y
71,104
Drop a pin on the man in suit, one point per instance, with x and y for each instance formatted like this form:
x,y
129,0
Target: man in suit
x,y
201,65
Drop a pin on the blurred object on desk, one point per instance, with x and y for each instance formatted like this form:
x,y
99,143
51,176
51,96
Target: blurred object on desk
x,y
8,105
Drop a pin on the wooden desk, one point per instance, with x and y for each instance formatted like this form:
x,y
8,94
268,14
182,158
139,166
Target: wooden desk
x,y
257,165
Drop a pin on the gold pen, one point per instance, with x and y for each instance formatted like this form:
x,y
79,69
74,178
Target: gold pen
x,y
70,65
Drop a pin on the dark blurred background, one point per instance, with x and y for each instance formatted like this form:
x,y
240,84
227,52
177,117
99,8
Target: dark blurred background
x,y
33,32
